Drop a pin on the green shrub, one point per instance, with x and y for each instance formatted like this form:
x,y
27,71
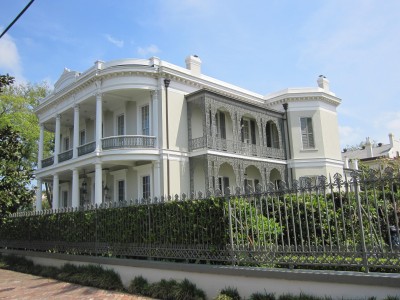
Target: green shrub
x,y
163,289
262,296
231,292
139,286
222,297
49,272
392,298
187,290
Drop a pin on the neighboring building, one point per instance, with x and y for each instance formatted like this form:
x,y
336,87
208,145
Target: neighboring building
x,y
132,129
371,154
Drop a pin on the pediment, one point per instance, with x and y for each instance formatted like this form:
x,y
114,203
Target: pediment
x,y
67,78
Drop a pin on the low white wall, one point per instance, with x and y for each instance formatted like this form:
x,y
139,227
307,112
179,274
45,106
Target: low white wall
x,y
212,278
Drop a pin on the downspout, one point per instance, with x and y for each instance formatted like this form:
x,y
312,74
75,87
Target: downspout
x,y
166,84
289,154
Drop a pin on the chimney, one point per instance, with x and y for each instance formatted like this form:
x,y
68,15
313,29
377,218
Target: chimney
x,y
391,139
323,82
193,63
368,146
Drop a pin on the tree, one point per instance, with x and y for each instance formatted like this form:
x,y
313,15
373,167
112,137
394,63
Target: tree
x,y
15,172
5,80
20,124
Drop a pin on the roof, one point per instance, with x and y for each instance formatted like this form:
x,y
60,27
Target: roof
x,y
377,151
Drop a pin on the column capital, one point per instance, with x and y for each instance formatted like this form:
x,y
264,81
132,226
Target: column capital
x,y
76,106
58,116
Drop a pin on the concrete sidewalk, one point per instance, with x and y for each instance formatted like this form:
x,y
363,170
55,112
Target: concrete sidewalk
x,y
14,285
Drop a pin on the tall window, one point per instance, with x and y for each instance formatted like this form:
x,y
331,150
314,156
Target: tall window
x,y
223,184
121,125
65,198
307,134
272,135
146,187
248,131
66,143
121,190
82,137
220,119
145,120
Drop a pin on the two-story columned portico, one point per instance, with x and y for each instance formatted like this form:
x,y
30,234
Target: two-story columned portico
x,y
144,128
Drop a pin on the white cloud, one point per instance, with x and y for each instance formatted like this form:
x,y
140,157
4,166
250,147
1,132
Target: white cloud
x,y
149,50
114,41
10,61
389,122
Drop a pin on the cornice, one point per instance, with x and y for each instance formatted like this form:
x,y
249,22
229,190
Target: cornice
x,y
299,97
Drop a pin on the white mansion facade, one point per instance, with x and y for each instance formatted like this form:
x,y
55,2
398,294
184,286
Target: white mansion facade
x,y
133,129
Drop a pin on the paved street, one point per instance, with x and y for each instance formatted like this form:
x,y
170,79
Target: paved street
x,y
14,285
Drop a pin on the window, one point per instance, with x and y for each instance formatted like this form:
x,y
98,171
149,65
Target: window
x,y
66,143
272,135
65,198
145,120
121,190
307,134
220,119
121,125
248,131
82,137
146,187
223,184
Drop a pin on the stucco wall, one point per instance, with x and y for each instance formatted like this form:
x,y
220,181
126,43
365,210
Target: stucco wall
x,y
213,278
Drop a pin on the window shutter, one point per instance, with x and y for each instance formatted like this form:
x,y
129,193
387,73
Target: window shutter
x,y
222,125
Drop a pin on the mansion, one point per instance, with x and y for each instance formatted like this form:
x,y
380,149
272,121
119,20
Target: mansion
x,y
143,128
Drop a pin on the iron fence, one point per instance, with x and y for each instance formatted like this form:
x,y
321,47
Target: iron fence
x,y
330,223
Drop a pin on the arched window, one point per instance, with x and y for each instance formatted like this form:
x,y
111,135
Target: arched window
x,y
272,135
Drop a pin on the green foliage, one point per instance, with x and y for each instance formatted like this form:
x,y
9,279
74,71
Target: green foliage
x,y
222,297
15,172
163,289
262,296
187,290
231,292
139,286
5,80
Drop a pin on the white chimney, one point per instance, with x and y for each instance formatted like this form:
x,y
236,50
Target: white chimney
x,y
368,147
391,139
193,63
323,82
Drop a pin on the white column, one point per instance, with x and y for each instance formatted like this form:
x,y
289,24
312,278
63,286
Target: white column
x,y
76,131
98,184
41,141
56,196
154,116
156,179
57,139
75,187
39,194
99,121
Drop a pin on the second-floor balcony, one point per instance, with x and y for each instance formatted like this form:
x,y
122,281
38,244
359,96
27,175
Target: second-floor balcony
x,y
237,147
108,143
128,141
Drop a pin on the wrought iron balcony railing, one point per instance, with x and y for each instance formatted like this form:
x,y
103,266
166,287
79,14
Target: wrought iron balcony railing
x,y
65,155
128,141
47,161
86,148
238,147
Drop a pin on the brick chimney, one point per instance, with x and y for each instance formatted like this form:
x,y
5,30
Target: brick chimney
x,y
193,63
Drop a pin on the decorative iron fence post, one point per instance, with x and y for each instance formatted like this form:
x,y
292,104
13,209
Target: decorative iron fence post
x,y
232,250
360,219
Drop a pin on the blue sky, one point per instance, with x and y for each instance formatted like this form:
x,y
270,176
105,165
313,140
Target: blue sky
x,y
263,46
